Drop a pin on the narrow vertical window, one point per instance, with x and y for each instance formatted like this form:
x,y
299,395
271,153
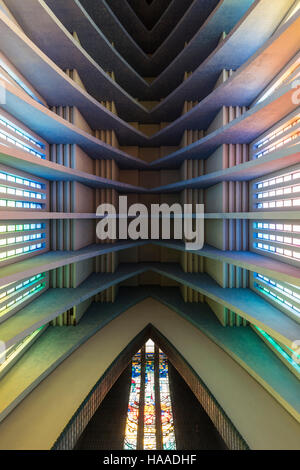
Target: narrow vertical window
x,y
150,424
168,434
149,416
131,431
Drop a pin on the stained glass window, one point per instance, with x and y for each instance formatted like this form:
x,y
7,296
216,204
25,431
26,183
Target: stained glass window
x,y
131,431
149,411
168,434
150,381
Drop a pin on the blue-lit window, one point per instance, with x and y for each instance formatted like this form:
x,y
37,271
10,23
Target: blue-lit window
x,y
21,192
287,357
19,204
277,133
21,239
277,145
286,295
277,238
9,357
14,294
18,143
13,193
280,192
20,227
17,130
18,81
11,253
20,180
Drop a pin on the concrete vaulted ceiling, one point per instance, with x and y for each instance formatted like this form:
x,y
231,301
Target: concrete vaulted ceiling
x,y
161,63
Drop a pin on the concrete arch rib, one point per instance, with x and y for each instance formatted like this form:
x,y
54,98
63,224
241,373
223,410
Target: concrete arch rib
x,y
247,403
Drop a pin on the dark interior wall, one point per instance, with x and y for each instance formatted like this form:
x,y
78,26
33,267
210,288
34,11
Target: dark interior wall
x,y
193,428
106,429
149,16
